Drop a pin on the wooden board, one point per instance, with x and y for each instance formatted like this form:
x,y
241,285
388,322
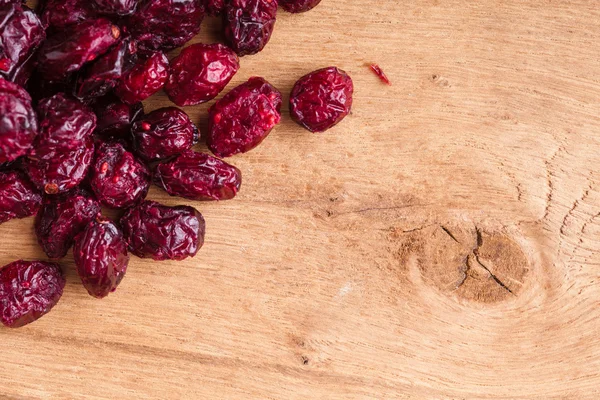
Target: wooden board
x,y
441,243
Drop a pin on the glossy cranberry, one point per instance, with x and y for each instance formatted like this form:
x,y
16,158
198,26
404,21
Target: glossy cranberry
x,y
61,218
18,197
28,290
298,6
198,176
166,24
321,99
18,122
163,133
200,72
163,233
115,117
118,179
214,7
59,14
144,79
249,24
71,49
243,118
116,7
101,257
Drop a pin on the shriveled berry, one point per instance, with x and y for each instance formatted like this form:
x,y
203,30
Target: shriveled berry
x,y
61,218
298,6
29,290
198,176
18,197
214,7
200,72
163,133
144,79
18,122
160,232
118,179
321,99
101,257
243,118
71,49
116,7
115,117
59,14
249,24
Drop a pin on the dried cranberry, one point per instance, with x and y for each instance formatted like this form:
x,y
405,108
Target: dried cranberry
x,y
200,72
18,197
163,133
242,119
68,51
249,24
118,179
18,122
198,176
115,117
28,290
162,232
298,6
214,7
61,218
59,14
321,99
144,79
116,7
101,257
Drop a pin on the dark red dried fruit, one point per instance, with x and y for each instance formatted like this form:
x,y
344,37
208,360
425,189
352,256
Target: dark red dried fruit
x,y
101,257
214,7
321,99
379,72
298,6
116,7
115,117
118,179
249,24
163,233
166,24
163,133
61,218
144,79
18,197
200,72
59,14
198,176
18,122
243,118
28,290
71,49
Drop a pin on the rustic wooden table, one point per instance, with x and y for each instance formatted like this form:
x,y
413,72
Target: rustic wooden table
x,y
440,243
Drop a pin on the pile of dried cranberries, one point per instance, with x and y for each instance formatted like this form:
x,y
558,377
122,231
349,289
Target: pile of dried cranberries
x,y
74,136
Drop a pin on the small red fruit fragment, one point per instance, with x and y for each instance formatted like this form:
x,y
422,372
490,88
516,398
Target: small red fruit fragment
x,y
379,72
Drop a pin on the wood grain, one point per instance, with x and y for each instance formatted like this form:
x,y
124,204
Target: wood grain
x,y
440,243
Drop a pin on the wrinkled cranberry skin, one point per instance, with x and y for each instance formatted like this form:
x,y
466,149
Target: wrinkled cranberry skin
x,y
59,14
118,179
144,79
116,7
28,290
18,197
18,122
61,218
198,176
200,72
249,24
298,6
163,133
243,118
321,99
166,24
160,232
101,257
115,117
214,7
68,51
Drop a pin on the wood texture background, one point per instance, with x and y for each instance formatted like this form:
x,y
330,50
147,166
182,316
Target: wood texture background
x,y
441,243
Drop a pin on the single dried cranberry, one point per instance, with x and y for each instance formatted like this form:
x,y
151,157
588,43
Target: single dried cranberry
x,y
68,51
162,232
116,7
118,179
18,122
242,119
200,72
18,197
61,218
298,6
321,99
28,290
166,24
101,257
59,14
115,117
144,79
198,176
214,7
163,133
249,24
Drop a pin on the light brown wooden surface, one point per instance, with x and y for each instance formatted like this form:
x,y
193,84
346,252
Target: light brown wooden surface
x,y
440,243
